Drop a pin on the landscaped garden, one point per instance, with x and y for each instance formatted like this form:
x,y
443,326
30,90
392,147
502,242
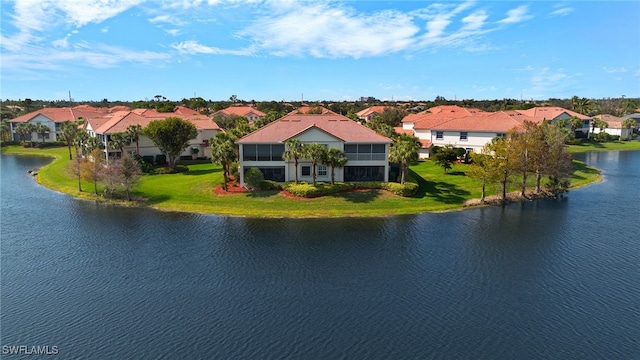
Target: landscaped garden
x,y
194,191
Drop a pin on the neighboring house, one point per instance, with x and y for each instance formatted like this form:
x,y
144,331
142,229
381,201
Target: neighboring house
x,y
366,150
247,112
369,113
555,113
472,128
53,117
614,126
104,126
636,117
305,109
102,122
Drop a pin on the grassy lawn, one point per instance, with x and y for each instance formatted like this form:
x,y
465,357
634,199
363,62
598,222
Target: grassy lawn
x,y
613,145
193,191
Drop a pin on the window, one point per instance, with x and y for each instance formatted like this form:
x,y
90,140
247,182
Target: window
x,y
501,135
364,173
322,170
439,135
463,135
366,152
306,171
262,152
270,173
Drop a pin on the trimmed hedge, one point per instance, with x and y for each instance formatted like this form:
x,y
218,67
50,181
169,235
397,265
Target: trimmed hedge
x,y
43,145
320,189
408,189
269,185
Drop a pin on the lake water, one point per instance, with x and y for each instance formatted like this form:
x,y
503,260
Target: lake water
x,y
538,280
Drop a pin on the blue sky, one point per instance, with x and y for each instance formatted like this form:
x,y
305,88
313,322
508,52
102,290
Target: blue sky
x,y
318,50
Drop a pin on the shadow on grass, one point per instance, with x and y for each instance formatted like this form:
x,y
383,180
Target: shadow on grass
x,y
439,191
202,172
154,200
262,194
455,173
583,168
359,196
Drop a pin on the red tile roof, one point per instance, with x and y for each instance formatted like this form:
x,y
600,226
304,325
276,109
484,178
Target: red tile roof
x,y
550,113
614,122
239,111
501,121
305,110
372,110
291,125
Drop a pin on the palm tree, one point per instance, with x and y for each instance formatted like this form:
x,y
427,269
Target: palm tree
x,y
42,130
30,129
223,152
5,129
629,124
335,158
22,129
404,150
134,132
314,152
294,152
69,130
119,141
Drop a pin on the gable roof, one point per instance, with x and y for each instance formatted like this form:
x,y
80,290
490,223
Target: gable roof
x,y
439,114
305,110
614,122
550,113
239,111
335,125
499,122
372,110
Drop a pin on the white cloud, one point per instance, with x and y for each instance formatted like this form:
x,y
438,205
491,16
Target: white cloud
x,y
194,48
516,15
564,11
321,30
614,70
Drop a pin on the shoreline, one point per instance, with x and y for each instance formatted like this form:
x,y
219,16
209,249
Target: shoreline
x,y
490,200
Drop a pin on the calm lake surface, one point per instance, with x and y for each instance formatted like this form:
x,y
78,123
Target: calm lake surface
x,y
538,280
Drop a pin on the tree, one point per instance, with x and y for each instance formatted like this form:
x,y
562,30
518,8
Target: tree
x,y
381,128
118,141
445,157
134,132
315,153
403,151
42,130
130,172
335,158
171,136
93,169
575,123
23,129
223,152
253,178
479,170
598,123
5,130
391,116
501,163
75,168
629,124
293,152
68,132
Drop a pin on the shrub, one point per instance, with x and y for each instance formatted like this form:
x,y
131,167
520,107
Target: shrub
x,y
320,189
269,185
253,177
43,145
7,143
161,159
408,189
168,170
148,159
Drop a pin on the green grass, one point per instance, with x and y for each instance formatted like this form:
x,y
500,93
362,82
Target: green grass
x,y
613,145
193,191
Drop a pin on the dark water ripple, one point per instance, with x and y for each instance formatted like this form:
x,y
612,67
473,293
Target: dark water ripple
x,y
538,280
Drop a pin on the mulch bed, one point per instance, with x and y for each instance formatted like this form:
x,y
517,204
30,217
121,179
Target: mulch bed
x,y
232,188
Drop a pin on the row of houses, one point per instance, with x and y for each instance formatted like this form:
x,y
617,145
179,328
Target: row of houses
x,y
366,150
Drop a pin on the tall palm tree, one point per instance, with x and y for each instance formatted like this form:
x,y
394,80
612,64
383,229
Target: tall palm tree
x,y
403,151
42,130
223,152
30,129
629,124
119,141
294,152
5,129
335,158
69,130
22,129
314,152
134,132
